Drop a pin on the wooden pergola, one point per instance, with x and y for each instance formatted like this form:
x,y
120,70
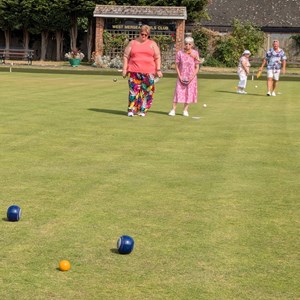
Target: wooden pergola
x,y
177,14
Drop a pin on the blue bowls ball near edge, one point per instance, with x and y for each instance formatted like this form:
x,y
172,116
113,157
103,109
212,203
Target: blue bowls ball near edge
x,y
14,213
125,244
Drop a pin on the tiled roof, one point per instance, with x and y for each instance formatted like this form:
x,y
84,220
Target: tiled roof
x,y
141,12
263,13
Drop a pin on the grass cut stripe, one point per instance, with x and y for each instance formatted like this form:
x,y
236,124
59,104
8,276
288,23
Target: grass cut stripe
x,y
212,202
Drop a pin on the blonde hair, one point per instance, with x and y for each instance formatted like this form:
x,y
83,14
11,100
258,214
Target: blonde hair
x,y
145,28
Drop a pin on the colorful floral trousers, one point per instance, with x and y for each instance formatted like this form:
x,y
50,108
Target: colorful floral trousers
x,y
141,90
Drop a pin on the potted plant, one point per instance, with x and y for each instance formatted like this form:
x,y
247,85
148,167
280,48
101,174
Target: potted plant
x,y
75,56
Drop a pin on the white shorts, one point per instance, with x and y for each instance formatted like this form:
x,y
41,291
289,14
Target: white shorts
x,y
273,74
243,81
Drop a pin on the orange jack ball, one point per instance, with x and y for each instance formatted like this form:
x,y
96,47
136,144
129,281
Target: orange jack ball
x,y
64,265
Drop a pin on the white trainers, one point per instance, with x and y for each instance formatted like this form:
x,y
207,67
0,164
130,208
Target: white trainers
x,y
185,113
142,114
241,92
172,113
273,94
269,94
130,114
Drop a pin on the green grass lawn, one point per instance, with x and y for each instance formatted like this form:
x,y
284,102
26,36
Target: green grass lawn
x,y
211,202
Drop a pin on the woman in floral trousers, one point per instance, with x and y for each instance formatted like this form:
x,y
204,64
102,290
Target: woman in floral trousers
x,y
141,62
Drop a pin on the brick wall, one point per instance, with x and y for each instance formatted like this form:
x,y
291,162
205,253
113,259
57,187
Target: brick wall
x,y
99,36
168,57
180,30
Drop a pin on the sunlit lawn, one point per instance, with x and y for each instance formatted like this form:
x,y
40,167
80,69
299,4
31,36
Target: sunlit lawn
x,y
212,201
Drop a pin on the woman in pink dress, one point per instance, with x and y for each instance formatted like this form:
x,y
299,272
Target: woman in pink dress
x,y
187,67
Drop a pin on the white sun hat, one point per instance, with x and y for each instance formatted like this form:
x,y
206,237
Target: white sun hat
x,y
246,52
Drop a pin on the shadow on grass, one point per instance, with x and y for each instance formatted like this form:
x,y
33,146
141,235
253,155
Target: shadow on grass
x,y
114,250
228,92
5,219
158,112
109,111
121,112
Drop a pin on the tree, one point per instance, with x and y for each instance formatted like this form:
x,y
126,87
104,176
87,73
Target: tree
x,y
9,18
76,9
59,23
43,17
247,36
15,14
86,24
41,23
25,13
49,16
244,36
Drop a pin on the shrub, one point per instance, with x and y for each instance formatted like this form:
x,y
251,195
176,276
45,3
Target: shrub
x,y
296,38
213,62
114,41
165,42
247,36
229,47
201,39
226,52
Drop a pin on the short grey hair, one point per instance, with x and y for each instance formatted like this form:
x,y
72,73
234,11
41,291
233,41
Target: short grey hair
x,y
189,39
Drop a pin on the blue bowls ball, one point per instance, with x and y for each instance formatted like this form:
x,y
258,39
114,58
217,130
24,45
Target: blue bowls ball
x,y
125,244
14,213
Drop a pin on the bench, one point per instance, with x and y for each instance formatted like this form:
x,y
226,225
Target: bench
x,y
26,54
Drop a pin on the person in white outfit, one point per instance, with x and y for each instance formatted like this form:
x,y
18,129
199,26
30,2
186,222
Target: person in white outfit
x,y
243,71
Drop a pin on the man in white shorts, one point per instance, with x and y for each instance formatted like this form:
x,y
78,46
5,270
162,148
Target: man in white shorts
x,y
275,58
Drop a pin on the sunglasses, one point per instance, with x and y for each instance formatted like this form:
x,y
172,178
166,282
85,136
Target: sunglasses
x,y
188,44
144,34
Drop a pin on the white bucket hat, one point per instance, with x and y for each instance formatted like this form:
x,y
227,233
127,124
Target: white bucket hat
x,y
246,52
